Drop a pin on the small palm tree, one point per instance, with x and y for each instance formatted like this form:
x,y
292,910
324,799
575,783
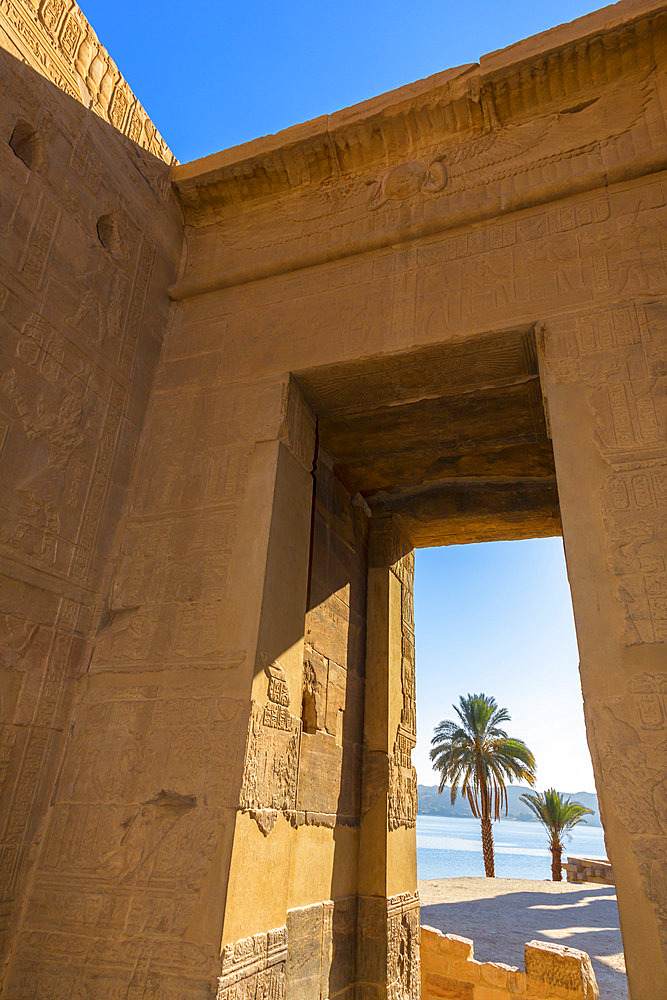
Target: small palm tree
x,y
475,752
558,815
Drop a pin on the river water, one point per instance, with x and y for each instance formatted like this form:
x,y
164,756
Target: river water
x,y
449,847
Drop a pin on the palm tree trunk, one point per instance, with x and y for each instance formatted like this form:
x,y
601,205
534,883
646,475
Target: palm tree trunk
x,y
556,866
487,848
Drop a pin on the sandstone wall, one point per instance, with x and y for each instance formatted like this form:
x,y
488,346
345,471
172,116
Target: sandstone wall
x,y
449,972
54,38
89,240
210,810
135,867
332,247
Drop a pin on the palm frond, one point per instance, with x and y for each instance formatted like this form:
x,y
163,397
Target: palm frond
x,y
557,814
475,753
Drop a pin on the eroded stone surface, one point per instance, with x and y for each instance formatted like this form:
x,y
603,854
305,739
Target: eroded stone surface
x,y
556,965
434,318
448,970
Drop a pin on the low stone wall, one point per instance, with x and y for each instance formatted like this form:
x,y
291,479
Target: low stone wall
x,y
589,870
449,972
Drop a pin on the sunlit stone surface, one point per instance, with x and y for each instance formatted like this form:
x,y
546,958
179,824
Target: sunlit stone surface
x,y
234,395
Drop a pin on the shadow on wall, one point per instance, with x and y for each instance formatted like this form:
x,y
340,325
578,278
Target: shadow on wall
x,y
585,919
329,781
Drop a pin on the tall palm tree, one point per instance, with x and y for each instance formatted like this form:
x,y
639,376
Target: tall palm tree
x,y
475,752
558,815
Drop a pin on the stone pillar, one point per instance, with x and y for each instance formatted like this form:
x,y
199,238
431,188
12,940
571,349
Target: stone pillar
x,y
185,715
257,896
602,375
388,943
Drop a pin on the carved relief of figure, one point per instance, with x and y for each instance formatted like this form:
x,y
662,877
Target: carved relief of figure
x,y
630,259
403,939
102,303
624,758
55,417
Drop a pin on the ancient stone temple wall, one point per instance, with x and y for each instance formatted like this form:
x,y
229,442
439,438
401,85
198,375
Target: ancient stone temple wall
x,y
436,317
54,38
604,379
89,239
301,792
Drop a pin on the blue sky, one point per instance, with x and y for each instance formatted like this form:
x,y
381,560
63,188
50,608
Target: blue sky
x,y
214,74
495,618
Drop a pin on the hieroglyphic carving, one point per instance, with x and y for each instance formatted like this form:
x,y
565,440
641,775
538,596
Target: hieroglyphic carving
x,y
40,241
409,709
72,33
137,303
271,755
86,164
61,400
100,481
402,806
404,570
119,105
142,822
616,354
62,409
44,658
278,690
314,696
651,855
403,934
149,857
103,297
36,44
650,698
56,39
204,737
402,794
633,505
623,753
254,967
629,741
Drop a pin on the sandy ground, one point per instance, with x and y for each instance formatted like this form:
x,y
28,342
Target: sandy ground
x,y
501,914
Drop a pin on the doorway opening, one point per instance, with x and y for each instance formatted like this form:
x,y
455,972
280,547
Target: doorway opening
x,y
440,447
496,618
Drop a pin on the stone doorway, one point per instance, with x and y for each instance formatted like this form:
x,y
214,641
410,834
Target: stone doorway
x,y
440,314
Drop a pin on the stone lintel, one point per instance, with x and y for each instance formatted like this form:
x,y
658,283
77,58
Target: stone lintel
x,y
429,116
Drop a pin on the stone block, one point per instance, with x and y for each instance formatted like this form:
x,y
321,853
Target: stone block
x,y
344,936
303,970
353,716
439,987
372,936
319,773
314,693
336,700
565,968
328,628
467,970
459,947
497,974
517,983
490,993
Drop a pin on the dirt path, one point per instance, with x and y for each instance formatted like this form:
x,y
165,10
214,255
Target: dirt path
x,y
501,914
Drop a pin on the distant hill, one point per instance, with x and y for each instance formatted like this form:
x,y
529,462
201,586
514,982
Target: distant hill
x,y
432,804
